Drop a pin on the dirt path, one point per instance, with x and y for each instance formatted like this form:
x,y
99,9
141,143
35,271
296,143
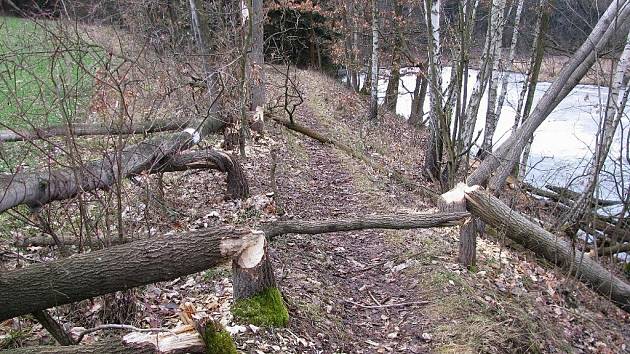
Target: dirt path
x,y
401,291
346,288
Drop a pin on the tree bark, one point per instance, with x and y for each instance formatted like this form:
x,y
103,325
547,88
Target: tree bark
x,y
38,188
391,94
53,327
44,285
237,185
11,135
374,80
612,250
529,234
480,84
162,258
100,347
454,201
383,221
498,8
252,279
575,196
435,149
512,54
417,104
492,113
257,57
538,52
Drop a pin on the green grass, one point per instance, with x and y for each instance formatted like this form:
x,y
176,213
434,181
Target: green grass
x,y
43,80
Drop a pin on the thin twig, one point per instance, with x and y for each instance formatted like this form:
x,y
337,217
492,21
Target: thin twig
x,y
388,305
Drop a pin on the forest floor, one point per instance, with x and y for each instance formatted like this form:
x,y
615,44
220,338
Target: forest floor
x,y
356,292
403,291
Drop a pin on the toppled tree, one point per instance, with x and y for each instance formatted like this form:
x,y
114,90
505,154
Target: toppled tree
x,y
44,285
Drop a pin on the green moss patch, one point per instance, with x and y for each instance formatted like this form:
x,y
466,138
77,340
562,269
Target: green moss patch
x,y
265,309
218,340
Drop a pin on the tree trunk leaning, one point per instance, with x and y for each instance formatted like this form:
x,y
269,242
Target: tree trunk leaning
x,y
566,80
522,230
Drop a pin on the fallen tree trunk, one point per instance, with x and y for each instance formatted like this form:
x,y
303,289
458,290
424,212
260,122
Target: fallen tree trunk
x,y
102,346
427,192
184,339
161,258
522,230
38,188
44,285
237,186
387,221
12,135
575,196
46,241
590,222
611,250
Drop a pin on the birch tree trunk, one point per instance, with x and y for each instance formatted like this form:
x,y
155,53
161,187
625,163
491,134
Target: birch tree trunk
x,y
434,150
480,85
616,103
257,57
610,22
511,55
467,28
538,51
494,61
492,119
374,80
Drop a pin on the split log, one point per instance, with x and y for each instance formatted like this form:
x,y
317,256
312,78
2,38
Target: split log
x,y
176,341
397,176
79,129
44,285
522,230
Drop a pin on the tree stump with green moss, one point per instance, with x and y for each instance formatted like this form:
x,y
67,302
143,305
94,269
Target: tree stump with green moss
x,y
257,299
217,339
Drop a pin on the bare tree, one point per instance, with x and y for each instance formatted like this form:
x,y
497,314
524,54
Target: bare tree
x,y
375,71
